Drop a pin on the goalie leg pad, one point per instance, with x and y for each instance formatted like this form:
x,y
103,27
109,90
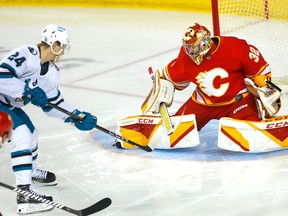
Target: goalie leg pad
x,y
253,137
149,131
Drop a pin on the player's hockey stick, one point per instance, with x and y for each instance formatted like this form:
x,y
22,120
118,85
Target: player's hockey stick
x,y
163,109
117,136
96,207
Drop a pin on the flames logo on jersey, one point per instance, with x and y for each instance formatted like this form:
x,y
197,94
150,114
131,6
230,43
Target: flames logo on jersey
x,y
206,82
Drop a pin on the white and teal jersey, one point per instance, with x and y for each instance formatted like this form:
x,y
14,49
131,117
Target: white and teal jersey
x,y
17,66
24,63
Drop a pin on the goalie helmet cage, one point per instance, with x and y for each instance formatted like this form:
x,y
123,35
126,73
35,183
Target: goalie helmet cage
x,y
263,23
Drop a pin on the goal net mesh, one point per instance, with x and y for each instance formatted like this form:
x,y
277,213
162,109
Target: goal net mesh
x,y
263,23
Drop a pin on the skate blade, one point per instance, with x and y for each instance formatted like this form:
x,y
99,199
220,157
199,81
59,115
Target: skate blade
x,y
54,183
31,208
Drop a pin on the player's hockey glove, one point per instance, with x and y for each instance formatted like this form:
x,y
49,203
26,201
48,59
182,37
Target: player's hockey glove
x,y
88,121
35,94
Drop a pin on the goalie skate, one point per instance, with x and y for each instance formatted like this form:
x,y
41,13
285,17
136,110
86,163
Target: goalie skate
x,y
26,203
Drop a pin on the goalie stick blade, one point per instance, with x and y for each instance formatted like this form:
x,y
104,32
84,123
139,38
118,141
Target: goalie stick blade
x,y
100,205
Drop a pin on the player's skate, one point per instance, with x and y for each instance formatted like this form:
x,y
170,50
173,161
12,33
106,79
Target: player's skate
x,y
44,177
27,205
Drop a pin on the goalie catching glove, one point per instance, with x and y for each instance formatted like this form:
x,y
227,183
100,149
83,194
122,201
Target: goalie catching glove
x,y
161,92
88,121
268,97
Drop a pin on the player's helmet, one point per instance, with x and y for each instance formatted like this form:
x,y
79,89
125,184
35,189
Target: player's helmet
x,y
6,125
197,42
52,33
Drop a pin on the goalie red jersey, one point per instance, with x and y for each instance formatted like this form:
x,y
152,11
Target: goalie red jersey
x,y
233,84
220,77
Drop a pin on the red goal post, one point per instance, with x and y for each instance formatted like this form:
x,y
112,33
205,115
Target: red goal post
x,y
263,23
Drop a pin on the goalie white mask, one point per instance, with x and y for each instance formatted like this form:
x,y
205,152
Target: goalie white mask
x,y
197,42
53,33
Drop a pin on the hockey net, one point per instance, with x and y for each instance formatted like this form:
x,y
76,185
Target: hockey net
x,y
263,23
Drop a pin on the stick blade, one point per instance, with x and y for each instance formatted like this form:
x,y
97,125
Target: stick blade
x,y
98,206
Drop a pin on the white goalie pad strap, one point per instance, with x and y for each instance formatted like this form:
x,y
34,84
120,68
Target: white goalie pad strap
x,y
253,137
161,92
148,130
269,97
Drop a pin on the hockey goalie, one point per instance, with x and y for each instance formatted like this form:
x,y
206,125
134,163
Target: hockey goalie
x,y
233,85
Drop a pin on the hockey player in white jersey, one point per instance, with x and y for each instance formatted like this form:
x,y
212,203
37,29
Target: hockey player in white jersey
x,y
28,74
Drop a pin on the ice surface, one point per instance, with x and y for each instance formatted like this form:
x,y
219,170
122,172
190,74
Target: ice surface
x,y
105,73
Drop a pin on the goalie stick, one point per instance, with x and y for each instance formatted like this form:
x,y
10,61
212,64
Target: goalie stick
x,y
163,109
117,136
96,207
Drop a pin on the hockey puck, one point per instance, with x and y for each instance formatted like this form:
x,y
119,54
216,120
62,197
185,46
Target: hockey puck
x,y
239,97
118,145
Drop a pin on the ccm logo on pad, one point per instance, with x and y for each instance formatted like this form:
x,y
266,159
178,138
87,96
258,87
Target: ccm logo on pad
x,y
277,125
145,121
